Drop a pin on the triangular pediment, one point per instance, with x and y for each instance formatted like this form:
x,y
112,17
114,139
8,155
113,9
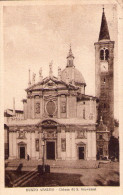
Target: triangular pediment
x,y
48,83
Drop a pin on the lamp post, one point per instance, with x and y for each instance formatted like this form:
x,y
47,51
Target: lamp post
x,y
43,144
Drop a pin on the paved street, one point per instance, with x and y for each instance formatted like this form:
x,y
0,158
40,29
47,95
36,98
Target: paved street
x,y
106,175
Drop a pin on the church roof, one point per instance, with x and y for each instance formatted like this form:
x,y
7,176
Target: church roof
x,y
82,97
104,32
70,74
78,77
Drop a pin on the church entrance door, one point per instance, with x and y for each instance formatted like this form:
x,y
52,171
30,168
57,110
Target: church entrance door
x,y
81,152
22,152
50,150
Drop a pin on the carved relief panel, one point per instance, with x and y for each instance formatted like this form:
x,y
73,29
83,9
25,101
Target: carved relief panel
x,y
21,135
82,134
50,134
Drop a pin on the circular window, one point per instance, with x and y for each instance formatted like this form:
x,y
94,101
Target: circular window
x,y
50,107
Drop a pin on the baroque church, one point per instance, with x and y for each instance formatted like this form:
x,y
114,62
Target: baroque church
x,y
61,122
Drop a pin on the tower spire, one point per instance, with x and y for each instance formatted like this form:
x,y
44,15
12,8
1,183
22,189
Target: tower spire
x,y
104,32
70,58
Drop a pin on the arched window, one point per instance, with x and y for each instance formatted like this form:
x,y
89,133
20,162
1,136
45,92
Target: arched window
x,y
104,54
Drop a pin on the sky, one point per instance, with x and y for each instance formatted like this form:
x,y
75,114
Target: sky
x,y
36,35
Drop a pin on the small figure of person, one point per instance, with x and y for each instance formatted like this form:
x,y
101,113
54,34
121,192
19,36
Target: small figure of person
x,y
27,156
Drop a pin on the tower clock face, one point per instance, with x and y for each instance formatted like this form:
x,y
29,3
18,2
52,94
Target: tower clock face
x,y
104,66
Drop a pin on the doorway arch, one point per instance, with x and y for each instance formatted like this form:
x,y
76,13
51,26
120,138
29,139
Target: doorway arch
x,y
81,151
22,150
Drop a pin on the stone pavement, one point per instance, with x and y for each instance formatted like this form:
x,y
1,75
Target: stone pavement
x,y
28,165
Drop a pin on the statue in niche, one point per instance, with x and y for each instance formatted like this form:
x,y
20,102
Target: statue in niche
x,y
63,144
37,108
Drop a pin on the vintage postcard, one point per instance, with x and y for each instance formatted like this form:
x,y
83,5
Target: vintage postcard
x,y
61,96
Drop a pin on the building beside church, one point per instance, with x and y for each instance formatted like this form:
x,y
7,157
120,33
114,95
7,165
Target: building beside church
x,y
60,121
104,83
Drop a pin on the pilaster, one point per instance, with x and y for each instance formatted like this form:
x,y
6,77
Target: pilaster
x,y
59,106
33,108
67,106
59,145
33,144
40,144
67,145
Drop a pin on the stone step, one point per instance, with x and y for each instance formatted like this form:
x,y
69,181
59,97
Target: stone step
x,y
57,164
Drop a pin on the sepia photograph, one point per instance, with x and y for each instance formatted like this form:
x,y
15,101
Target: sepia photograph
x,y
61,98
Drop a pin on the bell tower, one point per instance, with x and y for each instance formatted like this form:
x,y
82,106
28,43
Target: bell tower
x,y
104,75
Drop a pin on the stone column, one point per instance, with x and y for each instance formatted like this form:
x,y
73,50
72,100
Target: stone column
x,y
26,113
91,109
67,106
10,144
59,106
33,110
17,155
40,143
33,145
41,106
30,144
14,144
59,143
89,144
95,111
73,146
93,141
70,145
67,145
28,108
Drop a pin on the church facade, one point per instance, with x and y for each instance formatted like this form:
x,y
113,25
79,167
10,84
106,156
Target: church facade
x,y
58,117
60,120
